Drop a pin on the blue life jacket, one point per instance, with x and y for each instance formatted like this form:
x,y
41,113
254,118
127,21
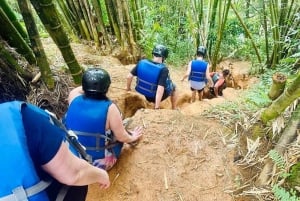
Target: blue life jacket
x,y
198,71
19,180
215,77
147,78
87,118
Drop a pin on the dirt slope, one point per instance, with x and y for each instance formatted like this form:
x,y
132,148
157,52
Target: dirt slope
x,y
182,156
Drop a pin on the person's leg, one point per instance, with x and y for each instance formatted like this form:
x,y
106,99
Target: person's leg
x,y
200,94
174,99
193,95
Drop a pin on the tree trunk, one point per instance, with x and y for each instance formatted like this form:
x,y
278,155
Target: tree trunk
x,y
137,19
85,31
12,62
49,17
222,22
247,32
82,9
98,11
277,88
92,24
283,101
36,43
12,17
288,136
265,25
14,79
112,16
14,38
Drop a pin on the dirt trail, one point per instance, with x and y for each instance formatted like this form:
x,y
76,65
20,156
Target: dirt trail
x,y
182,156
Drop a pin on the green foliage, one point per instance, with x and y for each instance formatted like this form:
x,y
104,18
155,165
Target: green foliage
x,y
283,195
279,192
163,27
257,97
294,179
277,159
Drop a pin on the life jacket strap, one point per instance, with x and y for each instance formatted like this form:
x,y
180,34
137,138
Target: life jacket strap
x,y
62,193
152,86
21,194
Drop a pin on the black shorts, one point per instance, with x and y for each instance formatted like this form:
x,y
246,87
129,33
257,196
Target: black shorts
x,y
74,193
199,90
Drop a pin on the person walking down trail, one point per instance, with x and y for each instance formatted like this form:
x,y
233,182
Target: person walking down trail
x,y
198,74
219,80
97,121
37,161
153,78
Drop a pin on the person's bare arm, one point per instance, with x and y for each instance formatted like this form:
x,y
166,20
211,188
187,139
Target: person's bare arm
x,y
74,93
159,95
210,81
188,71
71,170
115,123
218,85
129,80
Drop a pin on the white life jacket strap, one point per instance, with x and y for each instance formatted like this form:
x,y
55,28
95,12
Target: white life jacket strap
x,y
21,194
62,193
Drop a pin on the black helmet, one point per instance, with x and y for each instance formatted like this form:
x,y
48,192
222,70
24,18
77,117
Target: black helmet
x,y
201,51
95,81
160,51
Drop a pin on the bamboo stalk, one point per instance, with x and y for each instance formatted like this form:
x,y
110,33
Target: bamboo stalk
x,y
48,15
14,38
36,44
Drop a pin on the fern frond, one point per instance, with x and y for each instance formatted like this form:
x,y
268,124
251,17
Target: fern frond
x,y
277,159
282,195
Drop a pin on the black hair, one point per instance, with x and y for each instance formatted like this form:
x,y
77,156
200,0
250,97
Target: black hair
x,y
226,72
97,96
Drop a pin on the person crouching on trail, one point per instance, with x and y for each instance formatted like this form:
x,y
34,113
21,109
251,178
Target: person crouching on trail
x,y
38,161
153,78
219,80
198,74
97,121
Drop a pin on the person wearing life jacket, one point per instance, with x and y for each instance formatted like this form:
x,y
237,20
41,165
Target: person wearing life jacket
x,y
219,80
153,78
198,74
37,164
97,121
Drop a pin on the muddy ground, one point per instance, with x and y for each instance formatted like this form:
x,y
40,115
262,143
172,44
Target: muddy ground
x,y
183,155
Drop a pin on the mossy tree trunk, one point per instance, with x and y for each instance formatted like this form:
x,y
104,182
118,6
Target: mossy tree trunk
x,y
287,137
48,15
291,93
278,85
36,44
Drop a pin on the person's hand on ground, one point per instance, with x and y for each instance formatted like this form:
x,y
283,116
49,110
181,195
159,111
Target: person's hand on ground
x,y
104,182
136,134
